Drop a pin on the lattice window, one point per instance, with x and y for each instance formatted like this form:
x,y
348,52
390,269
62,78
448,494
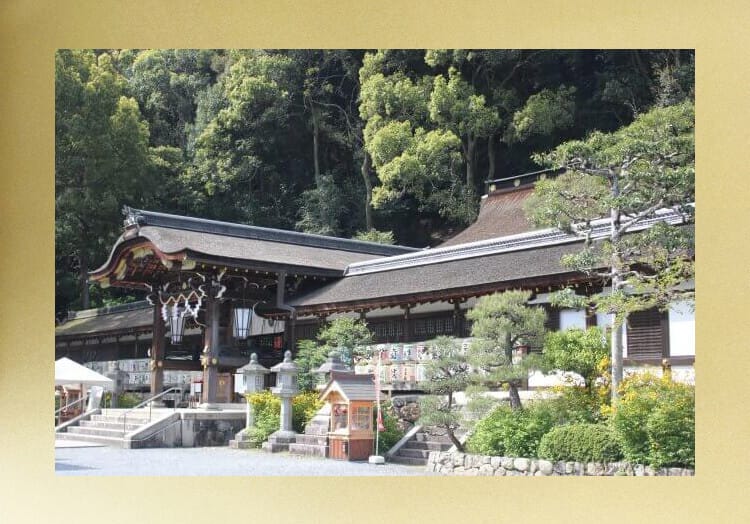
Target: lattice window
x,y
433,326
385,330
646,335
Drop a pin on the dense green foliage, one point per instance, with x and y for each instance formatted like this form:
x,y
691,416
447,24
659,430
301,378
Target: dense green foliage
x,y
577,350
348,336
128,400
580,443
628,176
446,373
388,438
267,410
655,421
576,404
502,324
309,357
512,432
327,141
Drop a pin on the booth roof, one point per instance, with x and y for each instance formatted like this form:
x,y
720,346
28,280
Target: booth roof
x,y
68,372
351,386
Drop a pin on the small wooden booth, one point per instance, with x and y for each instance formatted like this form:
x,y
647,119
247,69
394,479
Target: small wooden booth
x,y
352,398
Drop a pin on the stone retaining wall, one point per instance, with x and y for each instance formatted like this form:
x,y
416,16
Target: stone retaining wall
x,y
449,463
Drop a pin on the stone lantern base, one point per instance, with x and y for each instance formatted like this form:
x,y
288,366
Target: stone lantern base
x,y
241,441
279,441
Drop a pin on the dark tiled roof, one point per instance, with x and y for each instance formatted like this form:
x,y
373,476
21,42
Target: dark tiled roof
x,y
455,274
500,214
174,240
106,322
229,229
211,239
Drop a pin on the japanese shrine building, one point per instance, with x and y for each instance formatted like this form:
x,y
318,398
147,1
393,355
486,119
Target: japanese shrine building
x,y
295,282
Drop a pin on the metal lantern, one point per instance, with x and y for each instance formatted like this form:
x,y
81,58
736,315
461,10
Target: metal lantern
x,y
176,323
242,321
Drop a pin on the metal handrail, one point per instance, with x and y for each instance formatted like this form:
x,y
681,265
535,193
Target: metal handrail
x,y
68,406
162,430
148,401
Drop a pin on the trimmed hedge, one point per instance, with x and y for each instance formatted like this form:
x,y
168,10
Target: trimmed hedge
x,y
580,443
512,433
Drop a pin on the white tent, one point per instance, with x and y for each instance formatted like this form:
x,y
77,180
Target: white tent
x,y
71,373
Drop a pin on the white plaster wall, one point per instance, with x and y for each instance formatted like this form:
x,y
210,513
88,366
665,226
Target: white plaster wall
x,y
681,329
537,379
572,318
684,374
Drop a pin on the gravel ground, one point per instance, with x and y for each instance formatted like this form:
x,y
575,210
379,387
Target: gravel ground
x,y
211,461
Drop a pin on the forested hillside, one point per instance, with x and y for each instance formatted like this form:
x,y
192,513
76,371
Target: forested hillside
x,y
390,145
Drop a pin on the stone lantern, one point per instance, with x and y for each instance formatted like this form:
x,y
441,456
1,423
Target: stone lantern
x,y
332,363
254,375
286,388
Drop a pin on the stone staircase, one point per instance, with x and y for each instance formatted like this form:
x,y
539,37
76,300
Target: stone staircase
x,y
314,441
108,428
417,449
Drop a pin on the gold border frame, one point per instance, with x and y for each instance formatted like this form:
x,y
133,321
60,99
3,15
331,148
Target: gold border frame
x,y
30,31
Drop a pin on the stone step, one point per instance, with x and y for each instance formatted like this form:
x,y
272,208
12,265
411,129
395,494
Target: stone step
x,y
308,450
432,446
109,441
409,461
138,418
428,437
312,440
104,432
109,425
413,453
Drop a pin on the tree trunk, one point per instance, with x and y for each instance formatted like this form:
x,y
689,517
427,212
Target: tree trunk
x,y
616,355
450,430
84,280
365,170
316,152
469,155
491,157
616,266
454,439
515,398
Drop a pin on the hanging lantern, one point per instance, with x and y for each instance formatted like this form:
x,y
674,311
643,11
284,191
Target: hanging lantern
x,y
176,323
242,317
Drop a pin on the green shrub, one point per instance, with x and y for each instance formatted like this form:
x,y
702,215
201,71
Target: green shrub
x,y
576,350
581,443
654,421
392,434
267,413
577,404
128,400
304,407
512,433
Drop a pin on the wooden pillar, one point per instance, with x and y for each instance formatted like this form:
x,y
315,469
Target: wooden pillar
x,y
590,317
210,351
157,351
291,334
408,324
458,319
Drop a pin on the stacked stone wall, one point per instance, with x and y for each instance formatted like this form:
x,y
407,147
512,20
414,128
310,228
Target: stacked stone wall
x,y
406,410
448,463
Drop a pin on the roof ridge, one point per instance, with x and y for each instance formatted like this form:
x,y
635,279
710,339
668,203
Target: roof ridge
x,y
140,217
516,242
